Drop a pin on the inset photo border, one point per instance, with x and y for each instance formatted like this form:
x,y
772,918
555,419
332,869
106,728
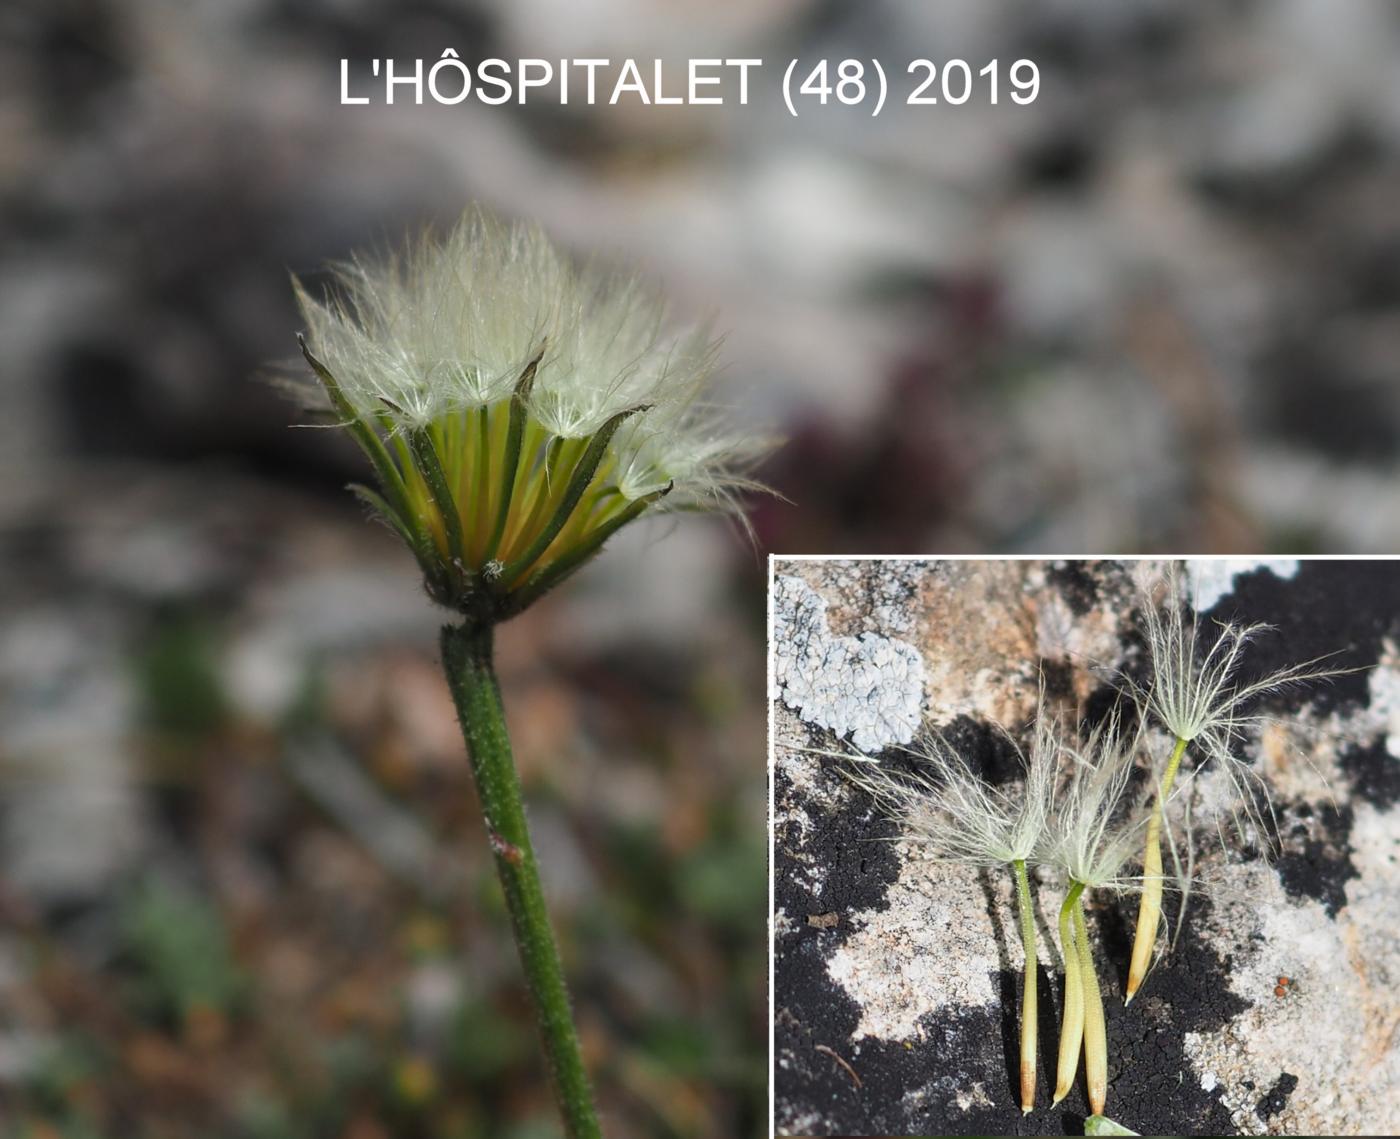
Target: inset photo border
x,y
933,722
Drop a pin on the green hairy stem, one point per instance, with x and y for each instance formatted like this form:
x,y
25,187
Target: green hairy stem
x,y
471,674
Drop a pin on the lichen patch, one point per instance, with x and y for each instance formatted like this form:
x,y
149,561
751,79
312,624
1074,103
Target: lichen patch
x,y
929,949
869,689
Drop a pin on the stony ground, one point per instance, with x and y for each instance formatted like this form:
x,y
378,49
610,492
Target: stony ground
x,y
897,980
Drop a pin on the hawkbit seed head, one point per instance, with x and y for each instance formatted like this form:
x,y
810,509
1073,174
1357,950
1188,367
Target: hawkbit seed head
x,y
518,408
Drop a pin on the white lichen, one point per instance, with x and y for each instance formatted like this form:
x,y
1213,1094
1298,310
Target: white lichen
x,y
1210,579
1384,685
928,948
869,689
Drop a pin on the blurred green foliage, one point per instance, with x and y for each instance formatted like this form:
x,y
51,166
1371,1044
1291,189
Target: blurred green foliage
x,y
178,680
179,948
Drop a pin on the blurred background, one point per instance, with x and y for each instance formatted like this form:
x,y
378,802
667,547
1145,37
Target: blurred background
x,y
243,888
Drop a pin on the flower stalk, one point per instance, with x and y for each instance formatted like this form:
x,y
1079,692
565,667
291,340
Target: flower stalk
x,y
1150,903
1072,1017
471,675
1028,986
1095,1030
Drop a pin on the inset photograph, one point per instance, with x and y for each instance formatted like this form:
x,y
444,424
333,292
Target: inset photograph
x,y
1069,847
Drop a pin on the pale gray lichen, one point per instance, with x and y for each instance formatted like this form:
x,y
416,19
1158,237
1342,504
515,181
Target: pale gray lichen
x,y
1384,707
1210,579
900,965
869,689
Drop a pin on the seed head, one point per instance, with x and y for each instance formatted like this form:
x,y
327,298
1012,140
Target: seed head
x,y
518,408
955,814
1195,694
1098,819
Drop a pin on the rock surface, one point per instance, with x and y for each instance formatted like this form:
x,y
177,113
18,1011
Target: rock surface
x,y
897,980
